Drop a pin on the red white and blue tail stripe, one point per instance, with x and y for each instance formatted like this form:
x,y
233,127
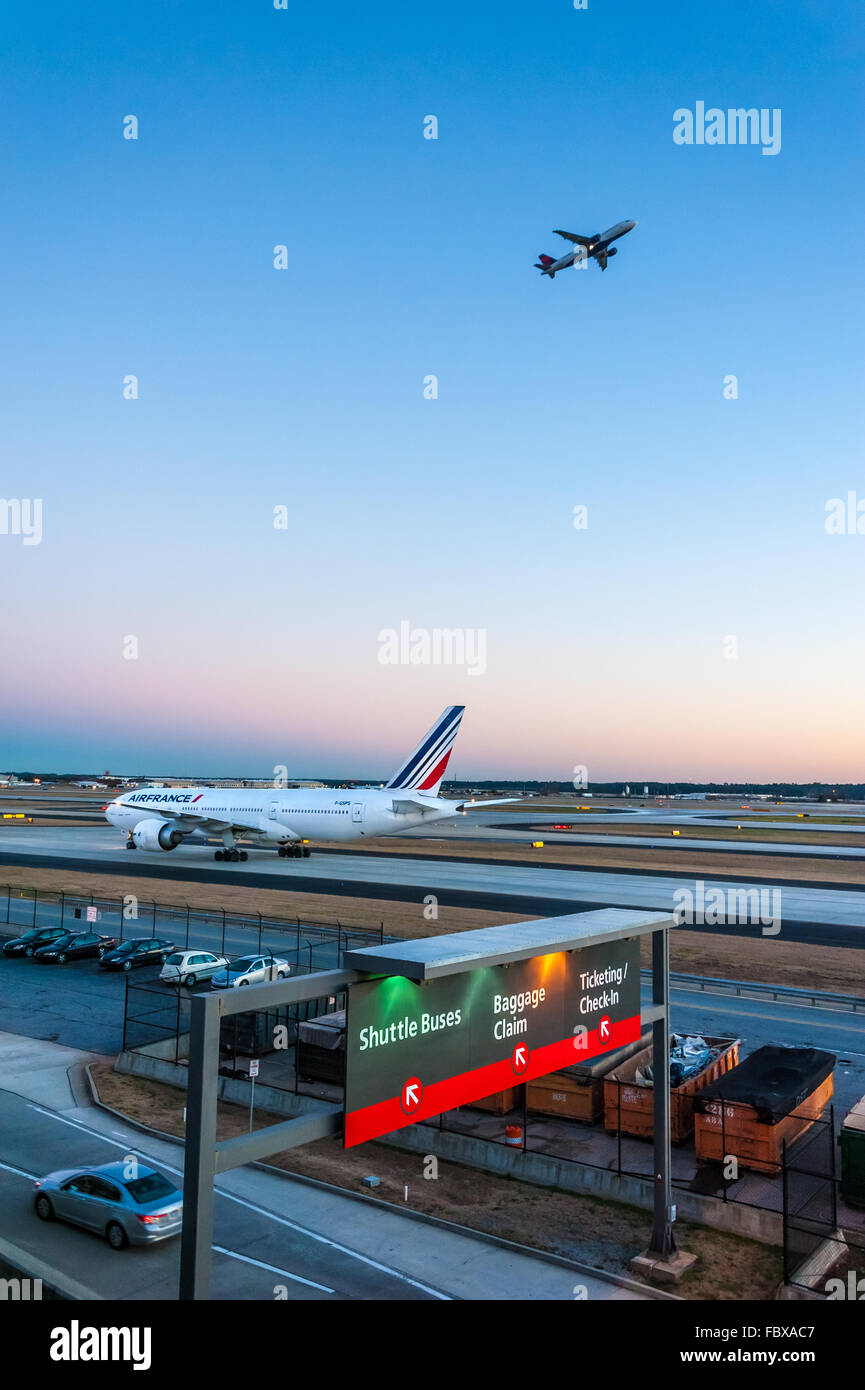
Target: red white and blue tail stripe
x,y
424,770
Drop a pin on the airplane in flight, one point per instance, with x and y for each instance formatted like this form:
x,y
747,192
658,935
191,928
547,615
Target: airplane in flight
x,y
163,818
597,247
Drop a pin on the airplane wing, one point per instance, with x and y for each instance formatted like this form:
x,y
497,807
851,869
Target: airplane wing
x,y
575,237
490,801
187,821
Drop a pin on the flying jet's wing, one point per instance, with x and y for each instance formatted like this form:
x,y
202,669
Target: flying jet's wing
x,y
575,236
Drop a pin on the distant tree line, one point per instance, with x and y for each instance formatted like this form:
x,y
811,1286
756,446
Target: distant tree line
x,y
813,791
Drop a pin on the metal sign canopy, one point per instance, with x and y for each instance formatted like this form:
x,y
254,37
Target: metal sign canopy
x,y
420,961
430,957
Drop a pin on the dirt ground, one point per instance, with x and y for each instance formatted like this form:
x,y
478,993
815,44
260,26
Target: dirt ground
x,y
768,960
396,918
604,1234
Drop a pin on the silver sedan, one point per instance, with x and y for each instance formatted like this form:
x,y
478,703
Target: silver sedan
x,y
126,1202
251,970
188,967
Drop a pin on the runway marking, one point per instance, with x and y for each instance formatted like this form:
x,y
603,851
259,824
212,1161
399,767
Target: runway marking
x,y
253,1206
286,1274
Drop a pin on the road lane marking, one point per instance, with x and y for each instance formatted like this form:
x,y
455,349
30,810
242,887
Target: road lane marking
x,y
7,1167
272,1269
334,1244
252,1206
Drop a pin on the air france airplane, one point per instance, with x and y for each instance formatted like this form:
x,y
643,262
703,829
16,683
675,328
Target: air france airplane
x,y
595,247
163,818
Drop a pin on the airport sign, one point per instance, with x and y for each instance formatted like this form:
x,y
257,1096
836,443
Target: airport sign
x,y
415,1049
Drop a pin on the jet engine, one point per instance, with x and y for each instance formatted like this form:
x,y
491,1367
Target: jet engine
x,y
612,251
156,834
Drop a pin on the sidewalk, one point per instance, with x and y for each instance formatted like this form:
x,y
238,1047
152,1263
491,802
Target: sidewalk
x,y
39,1071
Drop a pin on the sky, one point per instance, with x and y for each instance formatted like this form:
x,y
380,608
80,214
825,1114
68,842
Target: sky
x,y
221,558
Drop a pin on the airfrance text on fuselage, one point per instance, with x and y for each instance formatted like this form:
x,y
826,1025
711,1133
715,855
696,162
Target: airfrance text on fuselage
x,y
142,798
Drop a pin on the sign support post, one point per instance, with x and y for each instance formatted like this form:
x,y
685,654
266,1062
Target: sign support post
x,y
663,1263
663,1240
199,1168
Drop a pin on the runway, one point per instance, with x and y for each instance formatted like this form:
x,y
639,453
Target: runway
x,y
675,817
500,832
822,915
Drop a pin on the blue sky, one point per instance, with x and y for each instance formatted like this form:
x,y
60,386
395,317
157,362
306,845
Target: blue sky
x,y
304,387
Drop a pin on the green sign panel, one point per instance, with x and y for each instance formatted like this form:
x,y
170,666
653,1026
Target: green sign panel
x,y
416,1050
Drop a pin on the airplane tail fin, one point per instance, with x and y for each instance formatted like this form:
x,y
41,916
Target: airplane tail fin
x,y
543,262
424,769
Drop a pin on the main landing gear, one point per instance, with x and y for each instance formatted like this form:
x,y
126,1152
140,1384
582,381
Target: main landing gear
x,y
293,851
231,855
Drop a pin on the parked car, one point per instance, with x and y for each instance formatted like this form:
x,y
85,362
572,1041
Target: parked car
x,y
251,970
188,967
31,940
126,1210
142,950
74,946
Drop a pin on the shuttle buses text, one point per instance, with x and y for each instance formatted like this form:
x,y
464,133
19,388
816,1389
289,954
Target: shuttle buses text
x,y
404,1028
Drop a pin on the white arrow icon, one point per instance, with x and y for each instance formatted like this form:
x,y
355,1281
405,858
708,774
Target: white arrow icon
x,y
604,1028
412,1095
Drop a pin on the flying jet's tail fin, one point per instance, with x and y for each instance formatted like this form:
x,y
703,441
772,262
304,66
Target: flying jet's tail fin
x,y
424,769
543,261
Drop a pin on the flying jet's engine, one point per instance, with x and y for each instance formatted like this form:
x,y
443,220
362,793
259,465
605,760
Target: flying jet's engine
x,y
613,251
156,834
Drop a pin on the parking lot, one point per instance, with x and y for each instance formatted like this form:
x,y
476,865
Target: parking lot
x,y
79,1004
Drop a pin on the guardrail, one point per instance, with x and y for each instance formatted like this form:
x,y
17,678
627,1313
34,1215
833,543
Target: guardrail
x,y
744,989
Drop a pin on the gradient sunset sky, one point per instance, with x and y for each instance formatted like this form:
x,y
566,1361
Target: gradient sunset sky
x,y
304,388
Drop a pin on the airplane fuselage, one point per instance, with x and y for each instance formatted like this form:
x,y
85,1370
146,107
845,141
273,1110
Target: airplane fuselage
x,y
597,249
281,817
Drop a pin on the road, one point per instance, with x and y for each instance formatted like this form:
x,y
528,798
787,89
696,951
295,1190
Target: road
x,y
274,1237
